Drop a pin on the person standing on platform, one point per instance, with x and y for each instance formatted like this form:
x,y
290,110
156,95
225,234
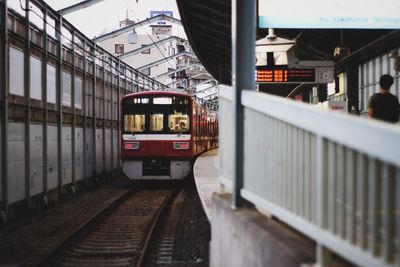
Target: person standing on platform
x,y
384,105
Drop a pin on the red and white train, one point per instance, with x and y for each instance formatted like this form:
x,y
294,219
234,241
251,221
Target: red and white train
x,y
162,134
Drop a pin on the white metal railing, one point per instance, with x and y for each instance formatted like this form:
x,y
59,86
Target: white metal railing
x,y
225,140
331,176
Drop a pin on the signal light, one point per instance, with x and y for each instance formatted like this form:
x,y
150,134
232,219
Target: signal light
x,y
131,145
181,145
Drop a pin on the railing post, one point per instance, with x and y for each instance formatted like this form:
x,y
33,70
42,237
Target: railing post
x,y
59,90
323,255
118,113
27,95
243,65
4,82
94,110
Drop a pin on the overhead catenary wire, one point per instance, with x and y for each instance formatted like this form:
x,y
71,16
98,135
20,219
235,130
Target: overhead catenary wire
x,y
141,25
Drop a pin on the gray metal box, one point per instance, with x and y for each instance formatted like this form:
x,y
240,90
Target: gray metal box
x,y
89,152
66,155
36,158
99,150
52,157
115,148
16,162
108,149
78,154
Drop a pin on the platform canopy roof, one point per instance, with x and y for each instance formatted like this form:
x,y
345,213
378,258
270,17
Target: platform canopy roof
x,y
208,26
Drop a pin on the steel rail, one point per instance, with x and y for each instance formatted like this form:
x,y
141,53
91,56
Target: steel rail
x,y
155,222
45,260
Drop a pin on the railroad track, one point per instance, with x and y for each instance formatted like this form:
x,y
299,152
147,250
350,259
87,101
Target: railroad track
x,y
121,234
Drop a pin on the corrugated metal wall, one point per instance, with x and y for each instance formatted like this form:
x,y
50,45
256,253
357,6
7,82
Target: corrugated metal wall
x,y
60,106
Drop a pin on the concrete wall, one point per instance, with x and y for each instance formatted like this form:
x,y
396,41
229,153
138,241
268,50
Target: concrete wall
x,y
244,237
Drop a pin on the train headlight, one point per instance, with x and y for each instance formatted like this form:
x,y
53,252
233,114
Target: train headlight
x,y
131,145
181,145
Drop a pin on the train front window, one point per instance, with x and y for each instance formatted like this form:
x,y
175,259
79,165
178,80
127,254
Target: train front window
x,y
156,122
134,123
157,115
178,122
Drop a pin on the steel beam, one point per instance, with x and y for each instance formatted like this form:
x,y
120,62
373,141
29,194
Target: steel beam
x,y
118,113
73,126
85,115
4,83
45,106
78,6
27,94
59,94
93,52
104,117
243,66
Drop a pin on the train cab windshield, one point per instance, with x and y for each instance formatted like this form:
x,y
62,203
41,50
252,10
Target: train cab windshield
x,y
156,115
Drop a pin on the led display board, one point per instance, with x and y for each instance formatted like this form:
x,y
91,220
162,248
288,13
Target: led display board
x,y
334,14
272,75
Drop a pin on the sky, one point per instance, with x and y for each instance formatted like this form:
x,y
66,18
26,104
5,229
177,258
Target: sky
x,y
106,15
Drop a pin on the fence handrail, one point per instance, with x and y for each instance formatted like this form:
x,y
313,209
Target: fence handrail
x,y
355,132
325,174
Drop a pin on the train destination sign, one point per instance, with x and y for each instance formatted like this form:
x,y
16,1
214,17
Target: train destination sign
x,y
271,75
337,14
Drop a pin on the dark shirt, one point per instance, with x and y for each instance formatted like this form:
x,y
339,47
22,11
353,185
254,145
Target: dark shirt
x,y
385,106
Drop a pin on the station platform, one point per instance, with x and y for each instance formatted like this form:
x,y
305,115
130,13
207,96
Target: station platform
x,y
206,173
251,239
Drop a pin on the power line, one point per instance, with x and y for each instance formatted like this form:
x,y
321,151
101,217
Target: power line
x,y
40,16
141,25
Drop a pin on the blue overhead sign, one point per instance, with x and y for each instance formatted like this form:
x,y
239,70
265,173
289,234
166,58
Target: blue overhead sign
x,y
154,13
333,14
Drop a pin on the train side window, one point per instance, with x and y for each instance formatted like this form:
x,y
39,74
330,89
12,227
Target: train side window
x,y
156,122
198,125
134,123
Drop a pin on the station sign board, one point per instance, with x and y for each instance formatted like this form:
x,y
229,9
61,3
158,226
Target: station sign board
x,y
335,14
266,74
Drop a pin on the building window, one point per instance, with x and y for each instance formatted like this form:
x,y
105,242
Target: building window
x,y
51,84
181,48
146,71
35,80
132,37
147,51
119,48
78,92
171,51
66,100
16,71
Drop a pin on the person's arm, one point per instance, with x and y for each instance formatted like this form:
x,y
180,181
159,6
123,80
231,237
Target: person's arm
x,y
370,112
371,106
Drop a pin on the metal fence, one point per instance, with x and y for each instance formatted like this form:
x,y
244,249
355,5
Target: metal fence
x,y
59,103
334,177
